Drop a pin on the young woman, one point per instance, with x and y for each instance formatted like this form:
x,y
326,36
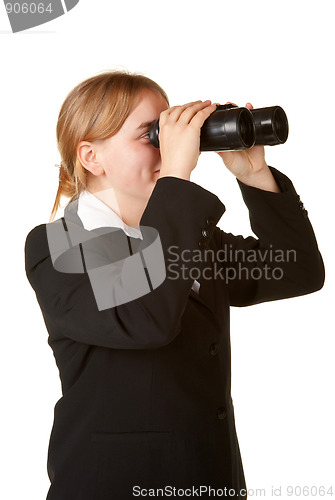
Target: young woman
x,y
146,379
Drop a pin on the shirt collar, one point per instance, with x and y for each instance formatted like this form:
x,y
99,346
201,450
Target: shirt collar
x,y
95,213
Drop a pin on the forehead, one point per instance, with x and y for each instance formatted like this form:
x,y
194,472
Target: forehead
x,y
147,109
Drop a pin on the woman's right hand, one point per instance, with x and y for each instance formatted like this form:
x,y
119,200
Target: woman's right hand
x,y
179,137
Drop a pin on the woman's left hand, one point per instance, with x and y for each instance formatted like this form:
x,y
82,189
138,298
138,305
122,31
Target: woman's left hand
x,y
247,162
249,165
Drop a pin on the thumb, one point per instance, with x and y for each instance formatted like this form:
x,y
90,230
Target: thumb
x,y
227,157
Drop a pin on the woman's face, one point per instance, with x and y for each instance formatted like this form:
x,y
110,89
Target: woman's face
x,y
129,160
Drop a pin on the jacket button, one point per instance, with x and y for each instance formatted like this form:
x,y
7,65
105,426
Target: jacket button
x,y
205,233
214,349
210,221
202,244
221,413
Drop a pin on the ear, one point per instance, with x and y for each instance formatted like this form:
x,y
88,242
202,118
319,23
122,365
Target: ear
x,y
87,154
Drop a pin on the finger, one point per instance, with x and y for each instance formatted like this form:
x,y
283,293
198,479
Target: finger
x,y
249,105
173,112
202,115
231,103
176,110
188,113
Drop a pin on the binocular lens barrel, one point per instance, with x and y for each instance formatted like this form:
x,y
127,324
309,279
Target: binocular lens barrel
x,y
232,128
228,129
271,125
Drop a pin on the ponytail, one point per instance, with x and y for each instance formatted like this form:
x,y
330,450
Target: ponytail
x,y
71,182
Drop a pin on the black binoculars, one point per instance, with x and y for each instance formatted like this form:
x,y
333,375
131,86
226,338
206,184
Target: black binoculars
x,y
232,128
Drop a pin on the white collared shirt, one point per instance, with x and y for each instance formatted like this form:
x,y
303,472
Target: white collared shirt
x,y
94,213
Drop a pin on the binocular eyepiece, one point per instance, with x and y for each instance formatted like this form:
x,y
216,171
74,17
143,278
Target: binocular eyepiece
x,y
232,128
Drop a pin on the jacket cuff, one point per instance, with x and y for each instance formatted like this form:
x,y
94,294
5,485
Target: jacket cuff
x,y
287,200
182,211
284,183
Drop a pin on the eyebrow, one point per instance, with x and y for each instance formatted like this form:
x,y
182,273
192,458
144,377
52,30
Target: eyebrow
x,y
144,125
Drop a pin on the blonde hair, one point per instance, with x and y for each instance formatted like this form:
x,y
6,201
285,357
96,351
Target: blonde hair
x,y
95,109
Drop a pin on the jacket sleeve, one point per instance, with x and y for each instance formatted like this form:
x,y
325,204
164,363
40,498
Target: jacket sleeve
x,y
284,261
179,210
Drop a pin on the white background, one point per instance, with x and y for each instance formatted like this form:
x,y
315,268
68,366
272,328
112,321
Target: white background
x,y
282,352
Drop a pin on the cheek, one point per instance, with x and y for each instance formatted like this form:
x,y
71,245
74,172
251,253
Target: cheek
x,y
141,152
139,160
129,165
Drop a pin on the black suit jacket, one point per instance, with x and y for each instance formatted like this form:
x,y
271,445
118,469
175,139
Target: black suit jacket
x,y
146,384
